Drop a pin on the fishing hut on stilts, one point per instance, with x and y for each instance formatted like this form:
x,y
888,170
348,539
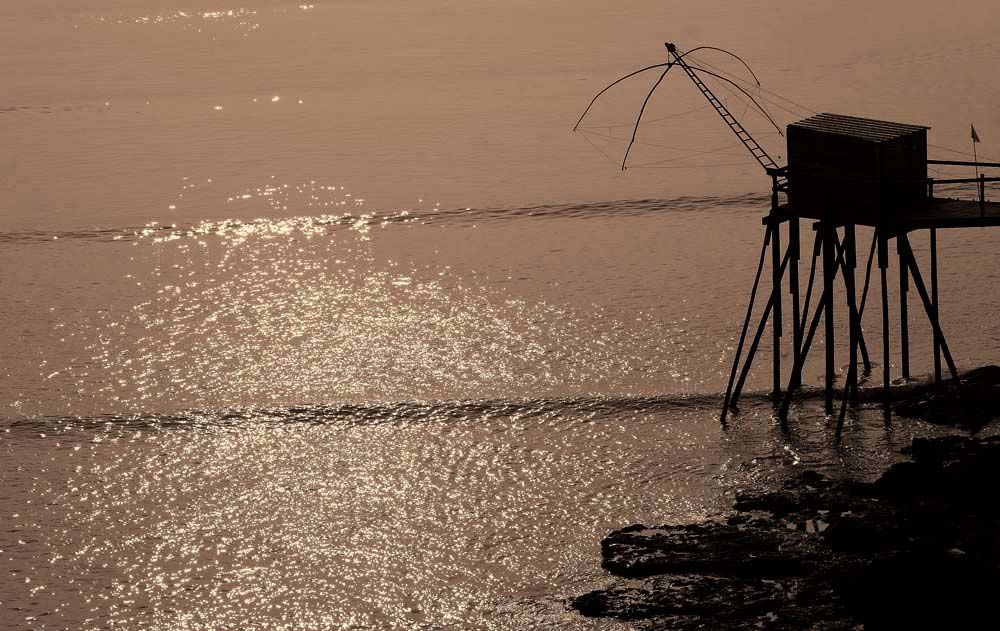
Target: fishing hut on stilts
x,y
842,172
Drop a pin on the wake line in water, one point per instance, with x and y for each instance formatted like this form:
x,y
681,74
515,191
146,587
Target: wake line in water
x,y
323,223
590,408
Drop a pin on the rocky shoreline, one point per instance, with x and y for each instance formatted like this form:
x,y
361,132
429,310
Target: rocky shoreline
x,y
919,548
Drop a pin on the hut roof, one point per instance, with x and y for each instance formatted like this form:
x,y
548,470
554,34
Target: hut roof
x,y
862,128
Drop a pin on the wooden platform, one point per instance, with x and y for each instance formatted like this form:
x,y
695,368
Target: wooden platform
x,y
935,213
952,213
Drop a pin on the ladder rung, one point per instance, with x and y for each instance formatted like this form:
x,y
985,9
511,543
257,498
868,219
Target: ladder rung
x,y
742,134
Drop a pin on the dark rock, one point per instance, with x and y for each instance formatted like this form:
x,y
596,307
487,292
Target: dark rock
x,y
921,590
970,403
906,479
805,496
709,548
694,595
917,549
778,503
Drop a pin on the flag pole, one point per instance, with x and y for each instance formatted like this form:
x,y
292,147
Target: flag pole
x,y
975,158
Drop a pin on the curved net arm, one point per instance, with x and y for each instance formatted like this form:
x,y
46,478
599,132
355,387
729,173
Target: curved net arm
x,y
613,84
731,54
638,119
759,107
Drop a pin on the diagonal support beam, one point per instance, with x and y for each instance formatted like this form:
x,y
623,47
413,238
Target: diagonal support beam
x,y
795,379
868,277
746,326
854,312
851,385
738,390
817,242
918,282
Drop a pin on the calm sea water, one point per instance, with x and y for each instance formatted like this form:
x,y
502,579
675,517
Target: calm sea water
x,y
318,316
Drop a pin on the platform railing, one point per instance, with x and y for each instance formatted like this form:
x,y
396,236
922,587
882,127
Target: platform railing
x,y
979,181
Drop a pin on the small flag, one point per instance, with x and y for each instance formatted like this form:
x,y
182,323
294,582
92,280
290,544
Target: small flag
x,y
975,136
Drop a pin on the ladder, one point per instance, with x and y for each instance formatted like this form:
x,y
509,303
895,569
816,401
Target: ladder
x,y
758,152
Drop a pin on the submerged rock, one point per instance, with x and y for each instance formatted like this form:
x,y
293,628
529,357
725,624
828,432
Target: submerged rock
x,y
919,548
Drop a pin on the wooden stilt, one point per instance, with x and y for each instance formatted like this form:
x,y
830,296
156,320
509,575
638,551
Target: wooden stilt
x,y
745,372
851,384
829,270
776,306
918,282
796,378
904,323
934,301
751,352
851,374
746,325
864,299
883,264
794,246
855,317
856,338
817,244
843,406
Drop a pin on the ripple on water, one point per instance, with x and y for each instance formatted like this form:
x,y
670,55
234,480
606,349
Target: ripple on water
x,y
455,516
285,311
484,515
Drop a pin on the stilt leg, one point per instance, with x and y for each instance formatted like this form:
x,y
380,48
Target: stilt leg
x,y
864,299
746,325
904,324
918,282
854,315
738,390
776,300
868,273
745,372
851,385
856,339
934,302
796,378
829,270
817,244
883,264
793,286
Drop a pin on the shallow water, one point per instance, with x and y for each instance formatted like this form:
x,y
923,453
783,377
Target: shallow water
x,y
318,316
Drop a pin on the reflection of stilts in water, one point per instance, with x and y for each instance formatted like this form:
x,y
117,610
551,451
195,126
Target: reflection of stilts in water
x,y
843,172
